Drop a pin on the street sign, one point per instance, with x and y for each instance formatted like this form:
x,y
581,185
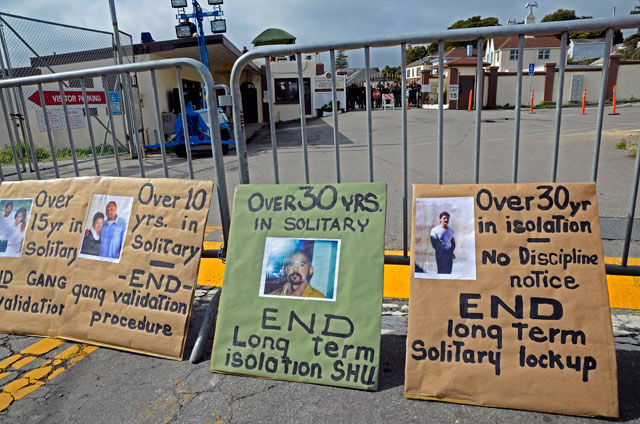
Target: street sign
x,y
52,98
57,121
453,91
114,99
532,68
376,94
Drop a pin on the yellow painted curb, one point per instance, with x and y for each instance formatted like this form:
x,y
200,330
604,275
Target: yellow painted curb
x,y
624,291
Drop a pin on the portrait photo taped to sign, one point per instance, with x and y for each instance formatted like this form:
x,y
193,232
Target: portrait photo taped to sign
x,y
303,284
108,261
14,223
535,309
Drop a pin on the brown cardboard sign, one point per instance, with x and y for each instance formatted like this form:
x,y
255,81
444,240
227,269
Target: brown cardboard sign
x,y
110,261
508,299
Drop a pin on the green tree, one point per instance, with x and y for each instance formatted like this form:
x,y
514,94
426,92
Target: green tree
x,y
570,15
472,22
392,73
631,51
561,15
415,53
475,22
342,60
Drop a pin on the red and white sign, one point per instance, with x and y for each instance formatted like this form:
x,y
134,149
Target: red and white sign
x,y
376,94
389,97
53,99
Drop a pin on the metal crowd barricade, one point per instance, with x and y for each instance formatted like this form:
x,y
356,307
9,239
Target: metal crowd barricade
x,y
18,84
475,34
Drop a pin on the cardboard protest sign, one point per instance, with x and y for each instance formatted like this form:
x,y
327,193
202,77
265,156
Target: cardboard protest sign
x,y
303,284
109,261
508,299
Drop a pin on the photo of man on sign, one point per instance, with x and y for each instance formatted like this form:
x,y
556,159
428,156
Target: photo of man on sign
x,y
106,228
300,268
443,243
445,238
14,221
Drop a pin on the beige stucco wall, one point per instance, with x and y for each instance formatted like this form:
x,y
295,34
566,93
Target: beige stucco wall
x,y
528,56
506,93
627,83
592,81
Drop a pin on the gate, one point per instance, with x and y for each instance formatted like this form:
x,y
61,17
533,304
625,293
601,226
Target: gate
x,y
479,35
31,47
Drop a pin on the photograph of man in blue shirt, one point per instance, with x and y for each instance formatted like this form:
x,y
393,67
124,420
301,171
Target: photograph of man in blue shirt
x,y
444,244
113,232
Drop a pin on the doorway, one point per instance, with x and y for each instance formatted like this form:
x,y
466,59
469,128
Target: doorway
x,y
249,102
466,84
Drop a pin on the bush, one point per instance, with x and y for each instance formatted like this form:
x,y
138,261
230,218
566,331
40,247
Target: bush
x,y
6,154
630,146
329,106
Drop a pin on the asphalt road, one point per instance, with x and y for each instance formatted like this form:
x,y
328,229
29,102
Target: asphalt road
x,y
112,386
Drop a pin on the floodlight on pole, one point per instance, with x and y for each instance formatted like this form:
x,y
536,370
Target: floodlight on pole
x,y
183,31
219,26
215,2
178,3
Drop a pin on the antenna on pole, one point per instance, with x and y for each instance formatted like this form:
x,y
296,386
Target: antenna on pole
x,y
530,19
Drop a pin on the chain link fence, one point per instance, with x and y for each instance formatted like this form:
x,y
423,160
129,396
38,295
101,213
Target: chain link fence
x,y
35,47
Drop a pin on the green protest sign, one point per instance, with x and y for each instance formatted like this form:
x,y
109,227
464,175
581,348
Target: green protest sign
x,y
303,284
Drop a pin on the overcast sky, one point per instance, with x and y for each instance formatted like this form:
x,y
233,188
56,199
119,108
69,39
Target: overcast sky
x,y
308,20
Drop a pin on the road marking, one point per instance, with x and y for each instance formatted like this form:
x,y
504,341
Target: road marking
x,y
32,380
165,408
42,346
624,291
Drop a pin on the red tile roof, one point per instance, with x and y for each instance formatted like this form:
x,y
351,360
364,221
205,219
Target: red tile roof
x,y
529,43
464,61
416,63
459,52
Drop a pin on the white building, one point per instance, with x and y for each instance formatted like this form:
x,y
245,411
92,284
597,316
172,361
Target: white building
x,y
222,55
503,52
586,49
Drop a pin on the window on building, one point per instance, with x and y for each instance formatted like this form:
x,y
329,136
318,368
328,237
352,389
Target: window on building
x,y
286,89
513,54
544,53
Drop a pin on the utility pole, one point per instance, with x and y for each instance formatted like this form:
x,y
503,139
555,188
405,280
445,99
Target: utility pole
x,y
126,92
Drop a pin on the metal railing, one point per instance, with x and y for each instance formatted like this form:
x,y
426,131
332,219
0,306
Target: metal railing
x,y
479,35
19,85
31,46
